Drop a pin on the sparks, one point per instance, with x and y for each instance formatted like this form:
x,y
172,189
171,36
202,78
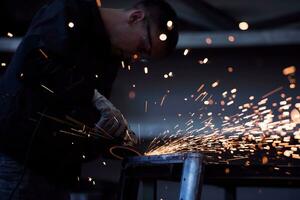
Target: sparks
x,y
255,128
186,51
71,24
146,70
10,35
46,88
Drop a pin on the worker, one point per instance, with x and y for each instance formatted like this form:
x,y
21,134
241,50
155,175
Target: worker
x,y
54,107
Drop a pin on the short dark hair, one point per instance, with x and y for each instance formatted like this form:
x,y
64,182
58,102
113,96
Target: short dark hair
x,y
160,12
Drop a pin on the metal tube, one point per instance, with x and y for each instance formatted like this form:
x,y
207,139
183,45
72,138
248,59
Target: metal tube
x,y
191,177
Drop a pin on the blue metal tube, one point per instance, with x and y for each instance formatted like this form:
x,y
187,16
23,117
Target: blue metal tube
x,y
191,177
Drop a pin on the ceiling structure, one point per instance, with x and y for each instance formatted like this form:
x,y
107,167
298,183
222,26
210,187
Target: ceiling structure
x,y
271,22
194,15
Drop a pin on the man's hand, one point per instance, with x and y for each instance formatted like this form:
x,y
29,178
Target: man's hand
x,y
112,122
130,138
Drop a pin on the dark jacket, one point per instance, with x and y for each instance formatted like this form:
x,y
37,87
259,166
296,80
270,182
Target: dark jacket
x,y
65,55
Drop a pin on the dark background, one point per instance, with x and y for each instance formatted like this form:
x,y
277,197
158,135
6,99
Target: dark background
x,y
257,56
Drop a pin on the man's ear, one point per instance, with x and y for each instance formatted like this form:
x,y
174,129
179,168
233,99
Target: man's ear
x,y
135,16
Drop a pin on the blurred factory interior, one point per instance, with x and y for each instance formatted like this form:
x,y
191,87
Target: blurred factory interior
x,y
240,47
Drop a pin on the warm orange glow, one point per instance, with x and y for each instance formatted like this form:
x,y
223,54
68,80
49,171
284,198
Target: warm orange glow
x,y
295,116
264,160
135,56
43,53
131,95
289,70
230,69
292,85
98,2
227,171
215,84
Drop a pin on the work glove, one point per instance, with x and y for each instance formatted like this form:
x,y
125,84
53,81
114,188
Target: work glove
x,y
112,122
130,138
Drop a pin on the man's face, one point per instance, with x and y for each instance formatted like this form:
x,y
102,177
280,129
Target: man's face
x,y
141,40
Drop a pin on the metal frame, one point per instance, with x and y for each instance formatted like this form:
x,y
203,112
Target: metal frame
x,y
151,168
267,38
189,168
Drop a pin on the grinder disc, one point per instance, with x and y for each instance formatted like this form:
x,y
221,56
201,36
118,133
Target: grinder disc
x,y
121,152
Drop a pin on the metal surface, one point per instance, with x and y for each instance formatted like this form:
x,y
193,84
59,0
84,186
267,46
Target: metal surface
x,y
241,39
149,169
189,169
9,44
160,159
219,39
190,188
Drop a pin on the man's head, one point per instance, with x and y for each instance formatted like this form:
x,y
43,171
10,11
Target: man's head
x,y
147,29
